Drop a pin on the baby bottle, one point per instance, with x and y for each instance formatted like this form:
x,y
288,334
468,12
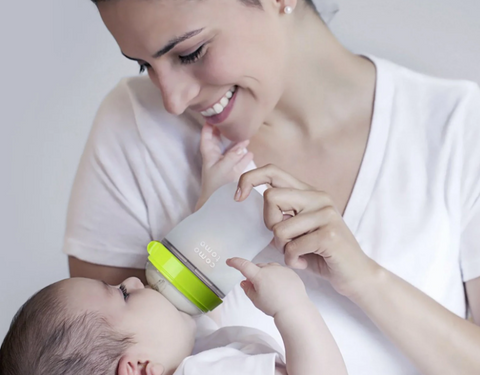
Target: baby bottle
x,y
188,266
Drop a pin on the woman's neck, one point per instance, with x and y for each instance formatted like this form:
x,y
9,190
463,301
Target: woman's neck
x,y
326,86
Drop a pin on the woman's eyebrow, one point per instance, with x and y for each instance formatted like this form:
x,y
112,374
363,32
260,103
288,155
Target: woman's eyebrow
x,y
171,44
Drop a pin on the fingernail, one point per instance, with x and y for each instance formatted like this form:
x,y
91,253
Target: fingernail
x,y
240,151
238,194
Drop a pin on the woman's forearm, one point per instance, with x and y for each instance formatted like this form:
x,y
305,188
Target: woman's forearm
x,y
436,340
309,346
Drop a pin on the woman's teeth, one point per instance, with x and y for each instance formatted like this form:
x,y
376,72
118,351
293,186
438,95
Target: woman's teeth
x,y
218,108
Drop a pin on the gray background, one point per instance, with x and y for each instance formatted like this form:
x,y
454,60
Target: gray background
x,y
58,62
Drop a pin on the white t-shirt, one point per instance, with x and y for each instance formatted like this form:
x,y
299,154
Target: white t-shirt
x,y
231,351
414,208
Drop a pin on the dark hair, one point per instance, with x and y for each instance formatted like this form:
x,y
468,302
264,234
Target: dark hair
x,y
45,339
252,3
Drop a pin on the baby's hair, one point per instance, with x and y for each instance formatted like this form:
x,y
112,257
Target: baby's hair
x,y
45,339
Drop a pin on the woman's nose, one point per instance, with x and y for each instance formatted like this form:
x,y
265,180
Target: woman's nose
x,y
133,283
178,90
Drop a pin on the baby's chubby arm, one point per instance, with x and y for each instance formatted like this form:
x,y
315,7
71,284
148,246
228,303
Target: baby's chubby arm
x,y
220,168
279,292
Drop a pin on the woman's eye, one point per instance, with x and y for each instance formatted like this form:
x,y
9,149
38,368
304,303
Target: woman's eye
x,y
143,67
188,59
123,288
193,57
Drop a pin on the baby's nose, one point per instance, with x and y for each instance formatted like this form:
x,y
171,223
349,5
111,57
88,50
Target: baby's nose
x,y
133,283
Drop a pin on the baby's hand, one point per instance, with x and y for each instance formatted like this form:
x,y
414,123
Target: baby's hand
x,y
271,287
219,169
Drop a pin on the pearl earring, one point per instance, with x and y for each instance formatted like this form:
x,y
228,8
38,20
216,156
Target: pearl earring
x,y
288,9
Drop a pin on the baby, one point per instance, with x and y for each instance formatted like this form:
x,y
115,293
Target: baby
x,y
83,326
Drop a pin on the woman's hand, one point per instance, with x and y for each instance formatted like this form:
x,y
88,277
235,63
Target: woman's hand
x,y
316,236
436,340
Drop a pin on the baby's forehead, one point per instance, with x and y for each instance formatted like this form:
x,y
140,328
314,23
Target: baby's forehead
x,y
79,283
79,296
82,291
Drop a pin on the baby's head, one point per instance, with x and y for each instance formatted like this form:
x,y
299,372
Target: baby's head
x,y
83,326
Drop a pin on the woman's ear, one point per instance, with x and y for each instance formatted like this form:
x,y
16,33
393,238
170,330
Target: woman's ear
x,y
287,6
130,365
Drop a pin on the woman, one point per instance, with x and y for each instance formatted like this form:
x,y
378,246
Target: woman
x,y
379,165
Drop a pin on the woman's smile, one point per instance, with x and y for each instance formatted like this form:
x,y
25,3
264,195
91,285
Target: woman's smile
x,y
219,111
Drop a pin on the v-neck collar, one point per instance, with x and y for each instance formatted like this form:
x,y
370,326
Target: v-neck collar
x,y
374,151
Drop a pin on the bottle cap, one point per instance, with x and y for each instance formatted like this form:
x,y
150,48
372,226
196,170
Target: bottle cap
x,y
182,278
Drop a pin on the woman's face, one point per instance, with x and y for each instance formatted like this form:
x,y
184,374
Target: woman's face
x,y
197,51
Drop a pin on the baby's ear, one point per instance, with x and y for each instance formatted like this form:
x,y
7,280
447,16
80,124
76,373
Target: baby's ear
x,y
130,365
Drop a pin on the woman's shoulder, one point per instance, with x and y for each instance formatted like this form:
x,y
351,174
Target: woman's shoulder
x,y
138,97
134,108
428,108
426,89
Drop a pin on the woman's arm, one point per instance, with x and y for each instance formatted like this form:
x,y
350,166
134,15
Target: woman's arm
x,y
111,275
436,340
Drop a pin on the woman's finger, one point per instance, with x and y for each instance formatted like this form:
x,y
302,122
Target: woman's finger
x,y
318,242
269,174
280,200
302,224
